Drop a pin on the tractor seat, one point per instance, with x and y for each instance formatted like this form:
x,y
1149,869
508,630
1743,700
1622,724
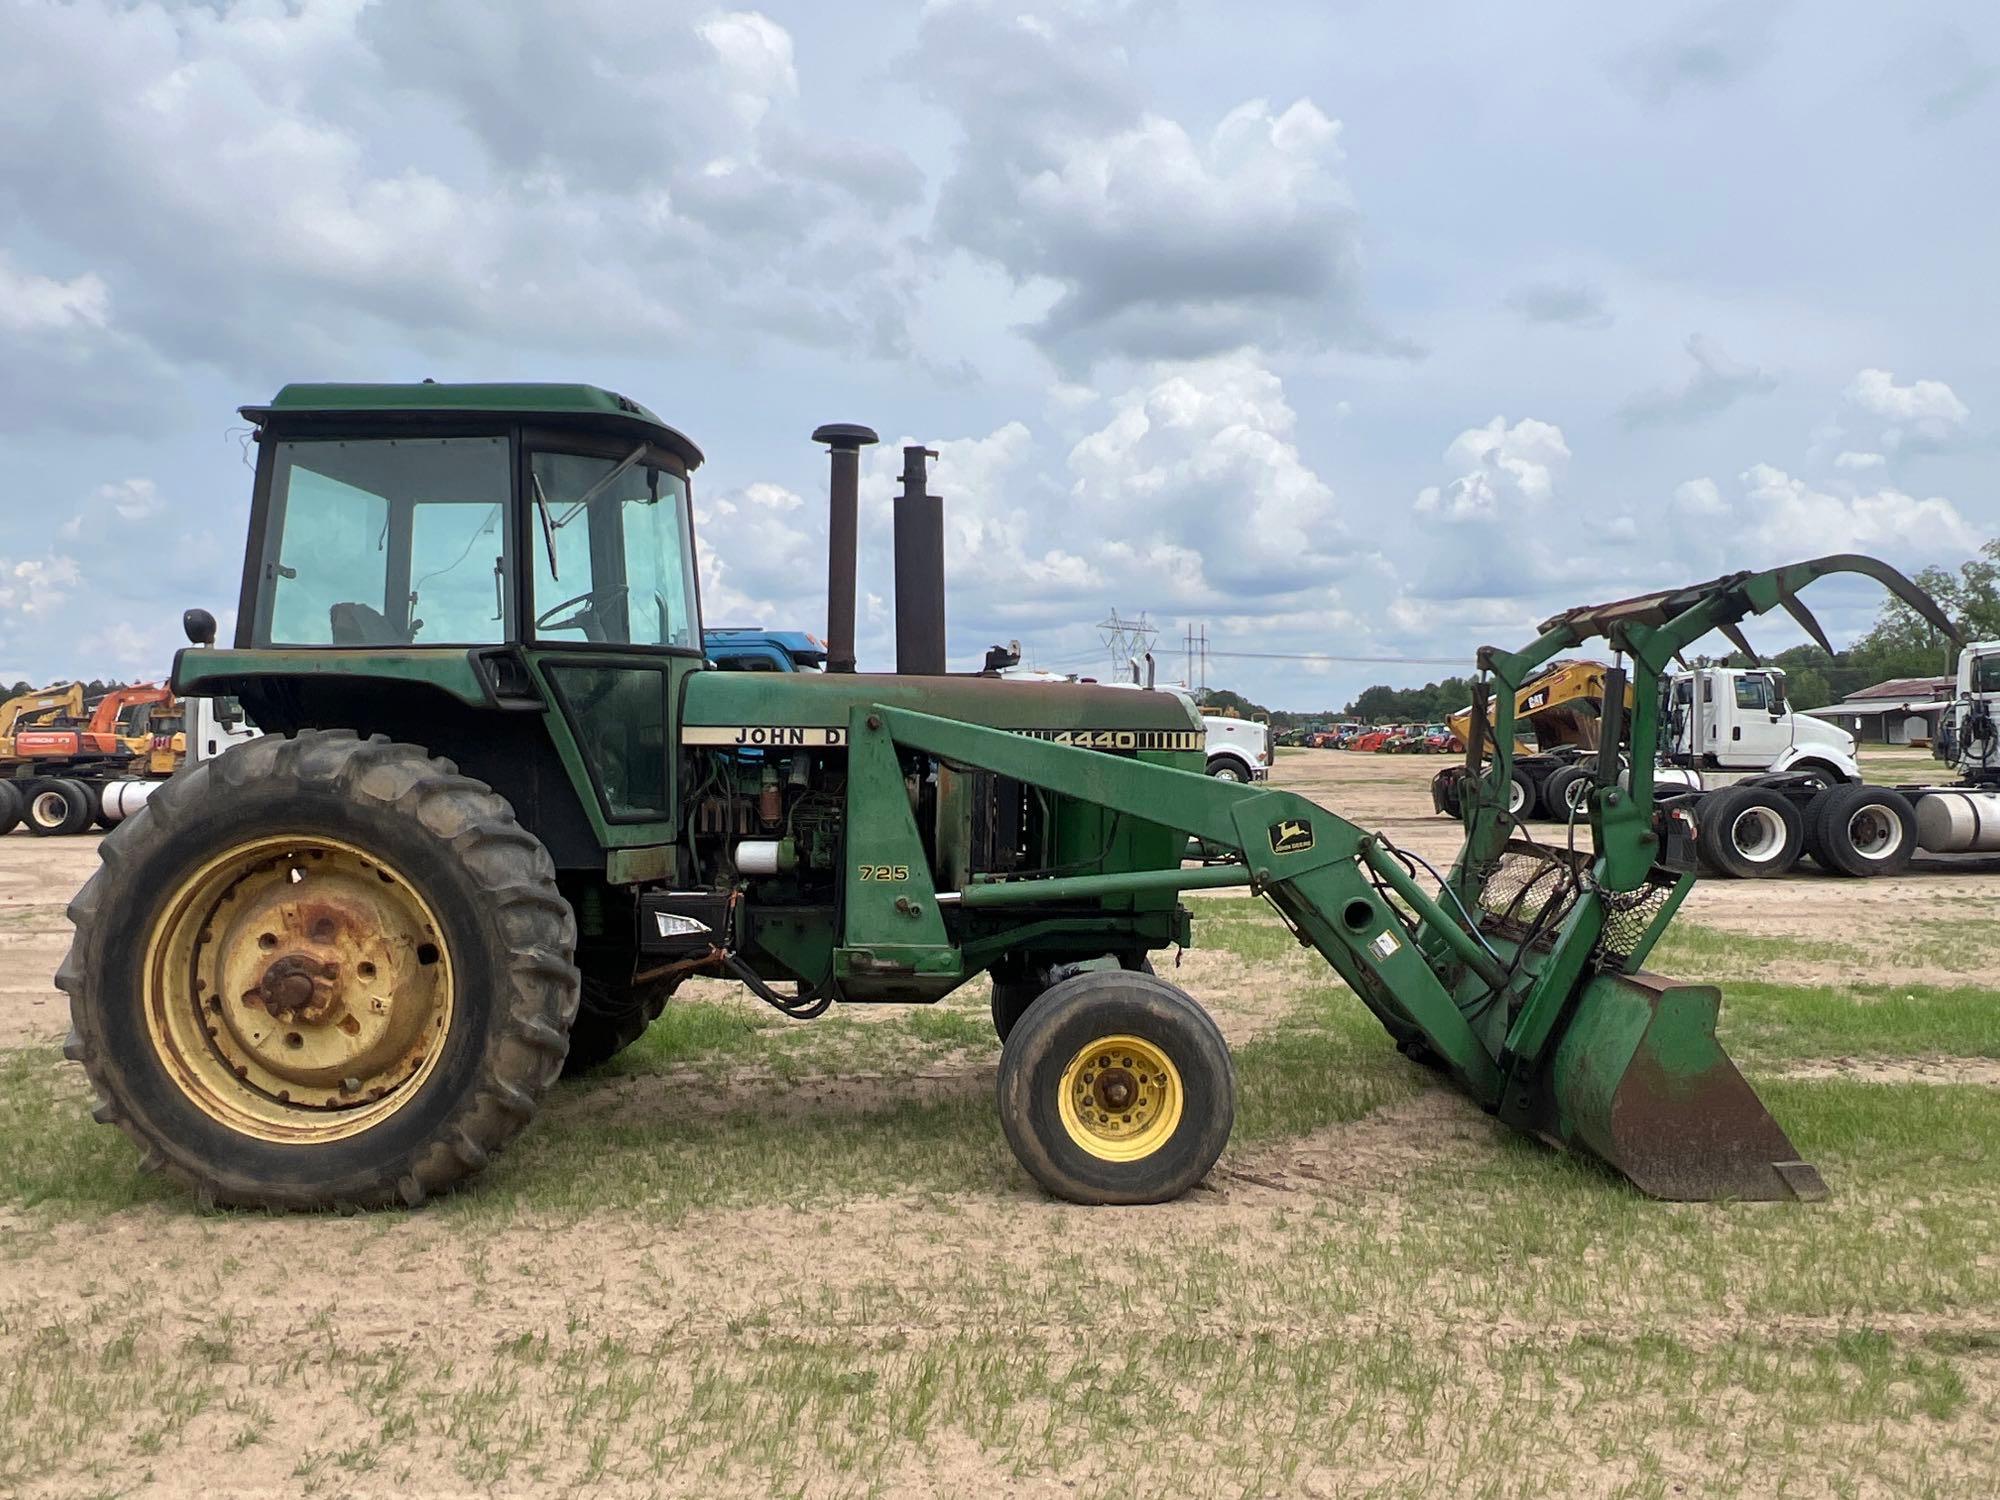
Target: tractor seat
x,y
363,625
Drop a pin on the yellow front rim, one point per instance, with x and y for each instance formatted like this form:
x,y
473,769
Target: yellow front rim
x,y
298,989
1121,1098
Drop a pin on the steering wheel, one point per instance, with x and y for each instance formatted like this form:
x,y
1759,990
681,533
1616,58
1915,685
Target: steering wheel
x,y
585,619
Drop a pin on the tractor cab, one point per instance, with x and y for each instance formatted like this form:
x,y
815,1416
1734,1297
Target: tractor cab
x,y
556,515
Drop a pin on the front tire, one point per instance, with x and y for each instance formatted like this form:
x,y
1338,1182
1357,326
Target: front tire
x,y
320,972
1223,768
1116,1087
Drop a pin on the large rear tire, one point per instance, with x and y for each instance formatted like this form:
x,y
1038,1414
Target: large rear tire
x,y
320,972
1116,1088
11,804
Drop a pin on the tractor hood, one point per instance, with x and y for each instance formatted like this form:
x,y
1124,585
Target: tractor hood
x,y
756,709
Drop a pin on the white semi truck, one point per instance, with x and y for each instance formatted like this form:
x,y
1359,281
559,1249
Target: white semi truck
x,y
1762,825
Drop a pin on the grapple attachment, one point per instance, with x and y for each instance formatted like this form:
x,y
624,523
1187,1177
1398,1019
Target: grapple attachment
x,y
1640,1082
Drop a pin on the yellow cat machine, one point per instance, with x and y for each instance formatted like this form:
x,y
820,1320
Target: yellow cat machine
x,y
1558,715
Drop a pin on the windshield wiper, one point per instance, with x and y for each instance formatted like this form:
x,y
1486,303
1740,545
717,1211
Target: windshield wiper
x,y
602,485
548,526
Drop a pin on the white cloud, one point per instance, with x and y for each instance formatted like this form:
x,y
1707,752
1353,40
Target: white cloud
x,y
317,177
1205,457
32,304
1155,239
1699,497
1503,464
36,585
1791,519
1851,460
1928,411
1717,383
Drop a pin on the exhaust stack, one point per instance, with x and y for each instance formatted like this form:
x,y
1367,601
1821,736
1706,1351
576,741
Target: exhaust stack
x,y
919,570
846,440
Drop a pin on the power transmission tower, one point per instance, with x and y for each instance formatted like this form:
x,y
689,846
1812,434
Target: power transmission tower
x,y
1197,659
1126,640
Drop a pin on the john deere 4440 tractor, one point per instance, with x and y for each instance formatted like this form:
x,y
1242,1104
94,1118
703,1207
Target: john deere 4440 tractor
x,y
502,808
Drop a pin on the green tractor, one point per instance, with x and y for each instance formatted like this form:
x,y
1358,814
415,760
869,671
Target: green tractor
x,y
502,808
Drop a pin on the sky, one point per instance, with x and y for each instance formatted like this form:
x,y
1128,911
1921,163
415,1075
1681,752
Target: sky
x,y
1337,330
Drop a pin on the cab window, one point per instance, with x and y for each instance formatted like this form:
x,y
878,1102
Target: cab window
x,y
614,555
386,542
1753,692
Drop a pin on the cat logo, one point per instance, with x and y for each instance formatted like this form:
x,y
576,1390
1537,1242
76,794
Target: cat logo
x,y
1292,836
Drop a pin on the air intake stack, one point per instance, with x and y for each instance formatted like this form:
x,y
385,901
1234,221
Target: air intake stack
x,y
919,570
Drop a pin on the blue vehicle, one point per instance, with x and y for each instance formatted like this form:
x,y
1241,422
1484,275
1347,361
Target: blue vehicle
x,y
754,649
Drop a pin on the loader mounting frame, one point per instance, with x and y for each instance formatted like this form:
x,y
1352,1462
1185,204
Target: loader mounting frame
x,y
1532,1000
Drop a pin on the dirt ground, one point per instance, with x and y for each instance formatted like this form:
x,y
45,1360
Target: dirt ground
x,y
462,1350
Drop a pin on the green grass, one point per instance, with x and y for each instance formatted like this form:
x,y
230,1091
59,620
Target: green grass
x,y
1967,943
1769,1021
1450,1310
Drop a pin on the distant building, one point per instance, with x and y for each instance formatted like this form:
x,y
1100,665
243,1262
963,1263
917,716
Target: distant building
x,y
1901,711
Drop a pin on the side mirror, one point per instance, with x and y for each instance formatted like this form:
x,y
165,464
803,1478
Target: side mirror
x,y
199,625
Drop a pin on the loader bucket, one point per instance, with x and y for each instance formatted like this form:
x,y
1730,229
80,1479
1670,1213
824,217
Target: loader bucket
x,y
1639,1081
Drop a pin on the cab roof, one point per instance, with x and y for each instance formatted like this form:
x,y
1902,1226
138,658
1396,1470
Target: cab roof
x,y
587,406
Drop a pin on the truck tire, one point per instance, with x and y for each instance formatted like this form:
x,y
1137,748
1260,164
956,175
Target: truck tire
x,y
1227,768
1523,800
425,947
1565,790
1116,1088
1749,833
11,804
58,808
610,1018
1865,830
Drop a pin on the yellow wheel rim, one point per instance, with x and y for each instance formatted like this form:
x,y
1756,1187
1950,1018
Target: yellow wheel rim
x,y
298,989
1121,1098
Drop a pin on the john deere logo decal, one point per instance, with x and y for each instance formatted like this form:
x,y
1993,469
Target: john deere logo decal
x,y
1292,836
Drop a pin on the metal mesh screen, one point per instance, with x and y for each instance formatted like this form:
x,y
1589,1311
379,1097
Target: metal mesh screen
x,y
1531,880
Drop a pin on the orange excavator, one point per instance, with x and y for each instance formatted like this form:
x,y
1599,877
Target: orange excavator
x,y
119,725
47,705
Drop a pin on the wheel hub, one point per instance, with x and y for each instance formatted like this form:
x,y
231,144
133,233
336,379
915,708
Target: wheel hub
x,y
1121,1098
299,988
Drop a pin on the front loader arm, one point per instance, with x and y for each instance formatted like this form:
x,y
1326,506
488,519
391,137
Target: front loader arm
x,y
1312,864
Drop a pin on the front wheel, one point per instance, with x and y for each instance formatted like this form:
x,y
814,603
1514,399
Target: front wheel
x,y
320,972
1222,768
1116,1087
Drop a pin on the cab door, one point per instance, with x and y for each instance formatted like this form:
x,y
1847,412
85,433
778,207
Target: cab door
x,y
613,622
1756,731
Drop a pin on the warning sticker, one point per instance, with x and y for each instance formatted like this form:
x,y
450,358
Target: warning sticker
x,y
1384,943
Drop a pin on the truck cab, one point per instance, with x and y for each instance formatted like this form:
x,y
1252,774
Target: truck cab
x,y
1969,740
1738,719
